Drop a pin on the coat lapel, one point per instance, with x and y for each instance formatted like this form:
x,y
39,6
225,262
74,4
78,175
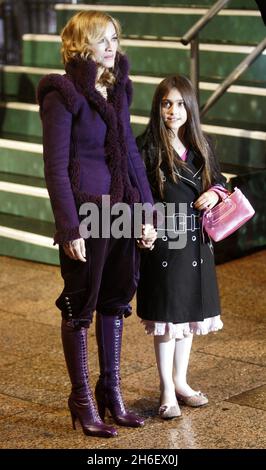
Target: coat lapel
x,y
192,174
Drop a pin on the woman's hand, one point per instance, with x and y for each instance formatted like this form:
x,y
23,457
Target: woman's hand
x,y
149,236
75,249
206,200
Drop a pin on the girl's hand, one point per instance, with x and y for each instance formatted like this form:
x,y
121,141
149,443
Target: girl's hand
x,y
149,236
206,200
75,249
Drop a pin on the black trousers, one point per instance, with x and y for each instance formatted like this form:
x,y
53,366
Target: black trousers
x,y
106,282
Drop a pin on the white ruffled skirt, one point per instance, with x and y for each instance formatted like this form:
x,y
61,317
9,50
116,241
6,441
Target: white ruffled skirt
x,y
181,330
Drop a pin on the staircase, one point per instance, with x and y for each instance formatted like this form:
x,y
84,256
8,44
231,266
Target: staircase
x,y
150,32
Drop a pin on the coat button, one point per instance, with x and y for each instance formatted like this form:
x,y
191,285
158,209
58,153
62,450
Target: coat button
x,y
194,238
66,298
164,204
164,238
201,260
164,264
191,204
194,264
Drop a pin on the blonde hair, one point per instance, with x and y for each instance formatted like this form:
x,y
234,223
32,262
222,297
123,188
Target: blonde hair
x,y
82,31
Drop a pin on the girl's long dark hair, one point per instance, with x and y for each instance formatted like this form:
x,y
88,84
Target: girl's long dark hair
x,y
190,134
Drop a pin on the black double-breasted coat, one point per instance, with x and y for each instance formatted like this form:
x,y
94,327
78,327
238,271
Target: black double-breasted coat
x,y
179,284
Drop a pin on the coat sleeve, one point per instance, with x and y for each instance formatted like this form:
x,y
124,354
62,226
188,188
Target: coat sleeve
x,y
136,167
57,122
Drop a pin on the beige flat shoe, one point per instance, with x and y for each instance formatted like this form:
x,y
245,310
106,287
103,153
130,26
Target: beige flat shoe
x,y
169,411
198,399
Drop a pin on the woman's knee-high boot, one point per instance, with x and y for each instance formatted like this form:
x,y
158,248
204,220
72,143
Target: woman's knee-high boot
x,y
81,403
108,394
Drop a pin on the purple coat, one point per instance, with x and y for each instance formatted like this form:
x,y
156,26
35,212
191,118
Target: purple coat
x,y
89,148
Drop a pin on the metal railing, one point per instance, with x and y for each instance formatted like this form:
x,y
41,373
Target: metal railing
x,y
192,37
233,76
38,16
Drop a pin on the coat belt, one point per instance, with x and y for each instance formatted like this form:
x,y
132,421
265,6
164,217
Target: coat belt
x,y
181,223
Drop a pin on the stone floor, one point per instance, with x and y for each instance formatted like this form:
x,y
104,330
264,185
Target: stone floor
x,y
229,366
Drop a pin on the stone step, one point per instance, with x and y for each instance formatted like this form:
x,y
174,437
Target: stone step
x,y
25,196
20,119
242,104
173,22
19,83
27,238
243,4
156,58
21,158
235,144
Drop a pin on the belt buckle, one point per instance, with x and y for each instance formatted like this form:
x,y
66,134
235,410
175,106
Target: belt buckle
x,y
193,222
182,222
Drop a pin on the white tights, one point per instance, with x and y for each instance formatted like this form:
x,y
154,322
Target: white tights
x,y
172,357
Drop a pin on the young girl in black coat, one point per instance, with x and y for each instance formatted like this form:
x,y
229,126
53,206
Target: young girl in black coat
x,y
177,294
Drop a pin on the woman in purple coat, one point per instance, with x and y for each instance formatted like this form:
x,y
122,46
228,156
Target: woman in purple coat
x,y
90,152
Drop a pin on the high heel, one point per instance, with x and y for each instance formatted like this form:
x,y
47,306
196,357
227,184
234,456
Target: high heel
x,y
107,392
100,405
73,417
110,398
81,403
91,425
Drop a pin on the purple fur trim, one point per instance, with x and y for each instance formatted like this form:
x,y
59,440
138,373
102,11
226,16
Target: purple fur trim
x,y
83,74
121,69
129,92
54,81
131,194
66,235
80,78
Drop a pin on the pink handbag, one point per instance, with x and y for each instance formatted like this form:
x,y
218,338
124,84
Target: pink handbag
x,y
228,215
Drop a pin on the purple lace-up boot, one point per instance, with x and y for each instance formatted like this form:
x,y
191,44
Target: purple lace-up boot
x,y
107,392
81,403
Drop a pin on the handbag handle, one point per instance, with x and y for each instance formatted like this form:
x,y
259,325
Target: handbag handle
x,y
222,192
